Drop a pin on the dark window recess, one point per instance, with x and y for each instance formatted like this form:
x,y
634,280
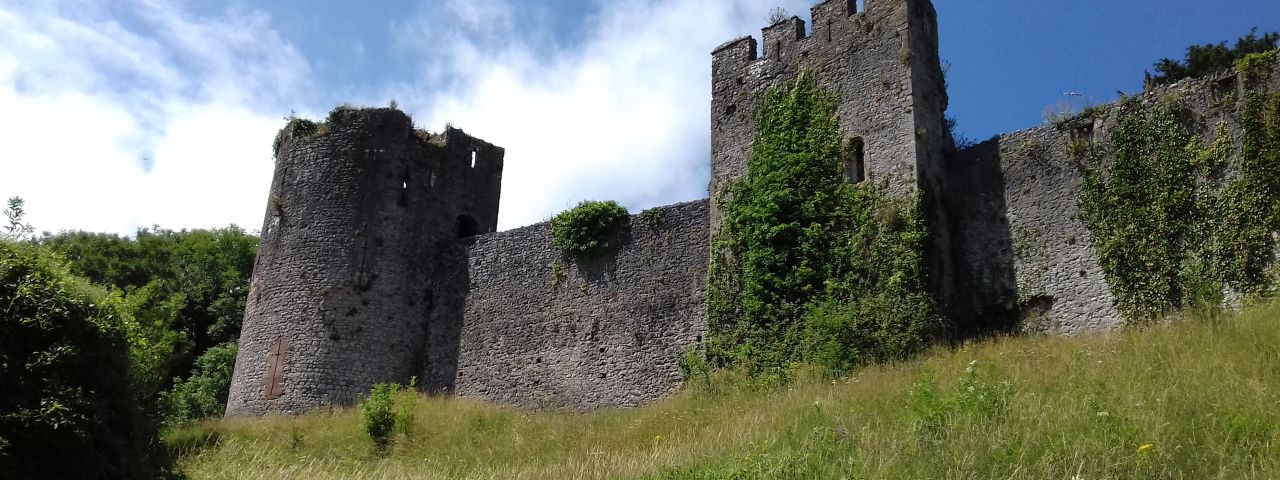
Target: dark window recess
x,y
273,379
730,110
467,226
855,162
473,159
777,51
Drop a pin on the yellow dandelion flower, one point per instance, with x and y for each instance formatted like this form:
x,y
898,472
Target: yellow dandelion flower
x,y
1146,447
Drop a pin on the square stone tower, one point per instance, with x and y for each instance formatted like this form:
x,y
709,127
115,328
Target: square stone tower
x,y
882,65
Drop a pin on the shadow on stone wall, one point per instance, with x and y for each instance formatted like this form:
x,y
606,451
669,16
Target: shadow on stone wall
x,y
602,267
446,301
986,292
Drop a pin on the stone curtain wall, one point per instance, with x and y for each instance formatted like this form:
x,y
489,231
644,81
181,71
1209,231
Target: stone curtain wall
x,y
1021,249
342,284
518,322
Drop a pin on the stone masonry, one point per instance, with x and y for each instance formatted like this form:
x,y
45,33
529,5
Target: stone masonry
x,y
379,260
882,66
522,323
1022,253
342,285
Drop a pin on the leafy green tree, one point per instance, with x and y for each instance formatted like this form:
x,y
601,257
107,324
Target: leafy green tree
x,y
186,288
1210,58
67,406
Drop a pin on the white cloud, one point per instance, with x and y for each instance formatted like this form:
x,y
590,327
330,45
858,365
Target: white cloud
x,y
624,115
92,96
125,114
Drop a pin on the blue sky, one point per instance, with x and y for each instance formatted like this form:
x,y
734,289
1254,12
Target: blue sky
x,y
130,113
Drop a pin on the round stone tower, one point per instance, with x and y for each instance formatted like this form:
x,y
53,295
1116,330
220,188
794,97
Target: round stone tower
x,y
343,285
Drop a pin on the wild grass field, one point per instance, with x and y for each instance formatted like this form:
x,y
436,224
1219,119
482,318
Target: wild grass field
x,y
1191,398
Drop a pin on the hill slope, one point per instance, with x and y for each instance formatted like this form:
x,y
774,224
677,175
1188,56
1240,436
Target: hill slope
x,y
1194,399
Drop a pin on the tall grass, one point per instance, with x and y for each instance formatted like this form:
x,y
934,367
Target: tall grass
x,y
1194,398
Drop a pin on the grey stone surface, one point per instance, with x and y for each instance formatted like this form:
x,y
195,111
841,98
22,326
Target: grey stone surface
x,y
523,323
345,264
1023,256
882,66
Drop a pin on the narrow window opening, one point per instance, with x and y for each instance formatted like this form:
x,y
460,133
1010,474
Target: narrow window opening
x,y
467,226
828,30
855,163
741,81
432,183
473,159
404,190
777,50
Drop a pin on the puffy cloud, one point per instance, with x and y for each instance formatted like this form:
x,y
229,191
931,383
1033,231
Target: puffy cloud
x,y
622,114
140,113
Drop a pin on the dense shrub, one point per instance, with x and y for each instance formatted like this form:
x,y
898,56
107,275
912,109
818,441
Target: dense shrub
x,y
377,413
389,409
67,409
204,394
585,229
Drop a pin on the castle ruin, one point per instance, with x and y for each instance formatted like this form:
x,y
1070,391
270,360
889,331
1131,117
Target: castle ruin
x,y
379,260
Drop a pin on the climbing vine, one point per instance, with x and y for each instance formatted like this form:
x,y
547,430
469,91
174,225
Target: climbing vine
x,y
1171,225
808,267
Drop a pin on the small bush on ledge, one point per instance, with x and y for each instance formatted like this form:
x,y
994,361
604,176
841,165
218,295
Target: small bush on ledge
x,y
584,230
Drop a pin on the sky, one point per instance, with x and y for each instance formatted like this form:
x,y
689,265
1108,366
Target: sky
x,y
121,114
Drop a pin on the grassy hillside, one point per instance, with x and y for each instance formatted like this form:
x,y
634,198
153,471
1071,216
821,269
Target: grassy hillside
x,y
1194,399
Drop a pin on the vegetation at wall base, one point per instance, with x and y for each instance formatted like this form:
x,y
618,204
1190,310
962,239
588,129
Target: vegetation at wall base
x,y
585,229
808,267
1171,226
1193,397
386,411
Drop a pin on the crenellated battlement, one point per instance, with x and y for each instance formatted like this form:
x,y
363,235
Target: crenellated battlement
x,y
881,62
785,40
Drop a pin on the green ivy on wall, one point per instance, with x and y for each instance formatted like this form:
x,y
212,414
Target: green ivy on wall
x,y
808,267
1170,225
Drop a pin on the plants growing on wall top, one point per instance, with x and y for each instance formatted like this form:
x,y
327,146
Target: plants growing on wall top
x,y
585,229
